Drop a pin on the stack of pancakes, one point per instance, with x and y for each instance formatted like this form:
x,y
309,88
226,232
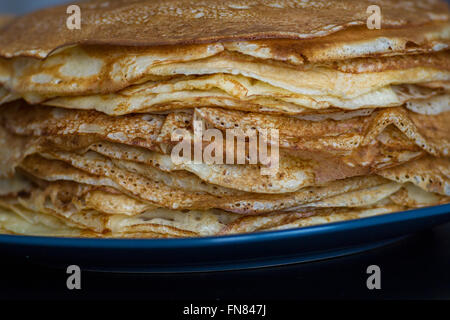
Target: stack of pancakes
x,y
87,116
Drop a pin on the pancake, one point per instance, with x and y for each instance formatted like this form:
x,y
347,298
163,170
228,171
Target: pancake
x,y
40,224
346,122
151,190
292,173
360,198
73,72
76,69
53,170
304,219
434,105
438,60
232,92
15,219
112,203
102,172
415,197
353,42
430,174
14,185
139,130
93,220
429,132
5,19
177,179
7,96
45,169
314,80
61,201
341,216
18,148
393,147
159,22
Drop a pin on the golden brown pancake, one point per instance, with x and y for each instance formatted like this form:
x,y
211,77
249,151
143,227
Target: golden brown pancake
x,y
428,173
150,23
87,116
5,19
352,42
83,71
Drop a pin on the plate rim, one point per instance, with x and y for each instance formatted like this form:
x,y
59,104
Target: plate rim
x,y
254,237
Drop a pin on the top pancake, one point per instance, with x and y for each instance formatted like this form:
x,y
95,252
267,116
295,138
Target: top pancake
x,y
4,19
170,22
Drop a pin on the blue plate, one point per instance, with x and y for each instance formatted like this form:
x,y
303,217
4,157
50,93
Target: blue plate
x,y
253,250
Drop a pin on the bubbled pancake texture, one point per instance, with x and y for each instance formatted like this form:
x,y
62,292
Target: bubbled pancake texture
x,y
152,23
86,116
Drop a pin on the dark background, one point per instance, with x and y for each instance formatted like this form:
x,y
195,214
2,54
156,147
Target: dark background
x,y
414,268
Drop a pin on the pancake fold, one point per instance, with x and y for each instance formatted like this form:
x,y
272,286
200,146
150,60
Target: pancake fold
x,y
328,120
